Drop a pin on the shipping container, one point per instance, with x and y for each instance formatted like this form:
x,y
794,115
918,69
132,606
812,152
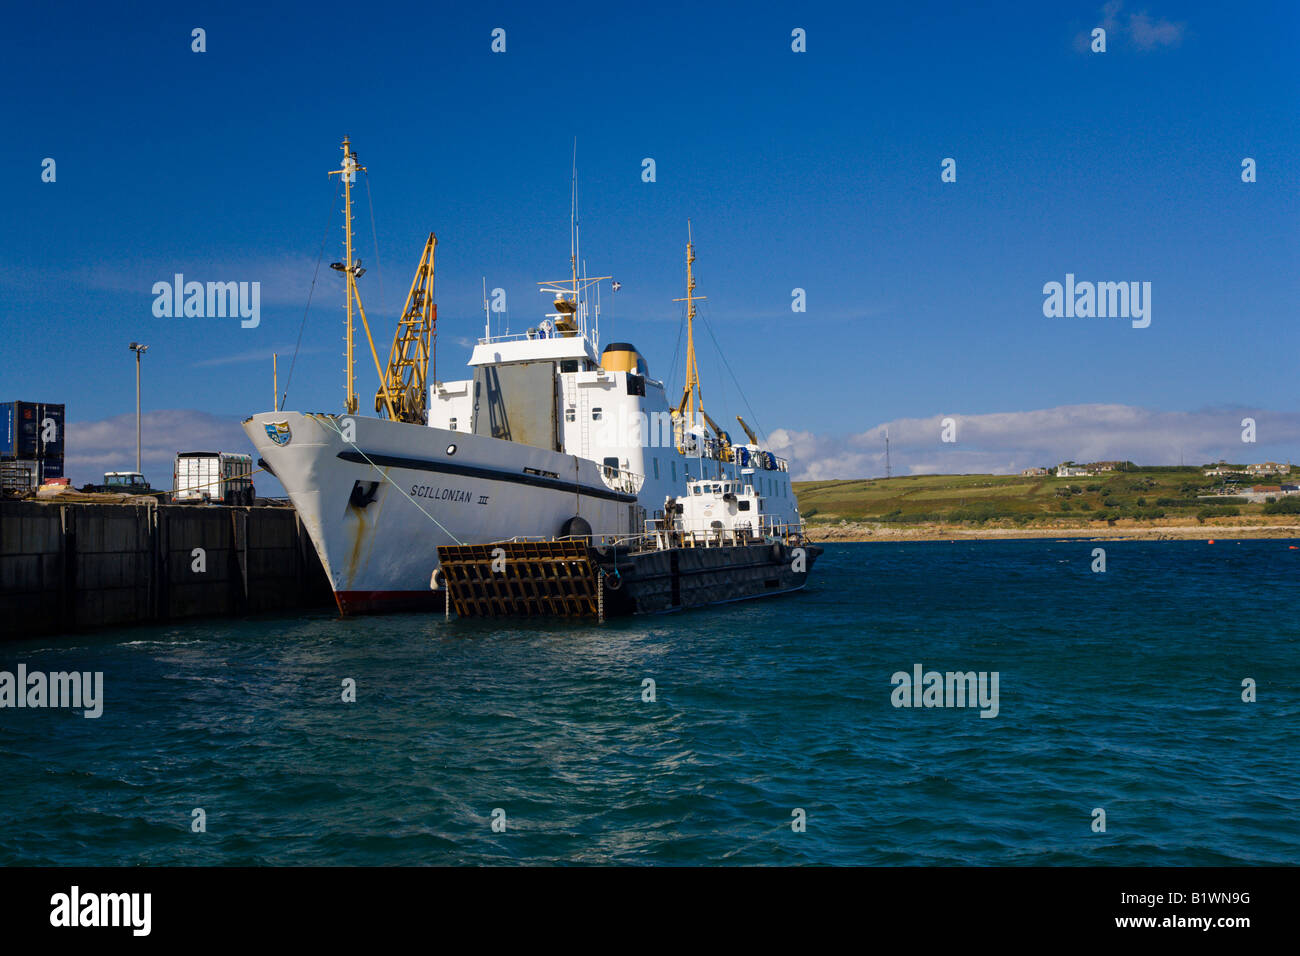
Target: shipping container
x,y
213,477
51,432
27,417
20,430
7,430
33,431
51,467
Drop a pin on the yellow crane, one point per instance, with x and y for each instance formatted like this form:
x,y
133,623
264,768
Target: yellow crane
x,y
753,439
724,440
404,387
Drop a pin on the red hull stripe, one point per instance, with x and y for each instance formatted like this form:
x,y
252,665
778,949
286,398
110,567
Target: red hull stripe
x,y
372,602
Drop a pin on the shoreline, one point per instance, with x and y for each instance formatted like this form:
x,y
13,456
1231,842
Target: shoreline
x,y
1217,529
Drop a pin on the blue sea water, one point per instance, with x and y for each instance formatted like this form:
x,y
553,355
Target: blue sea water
x,y
1119,690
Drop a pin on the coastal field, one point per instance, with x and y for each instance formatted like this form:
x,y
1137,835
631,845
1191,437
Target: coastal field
x,y
1146,503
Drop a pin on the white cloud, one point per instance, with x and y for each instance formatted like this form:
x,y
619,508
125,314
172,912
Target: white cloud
x,y
259,355
990,443
286,278
1148,33
93,448
1007,442
1145,32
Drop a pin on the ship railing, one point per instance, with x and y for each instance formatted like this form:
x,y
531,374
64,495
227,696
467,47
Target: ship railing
x,y
660,534
786,532
532,335
628,482
619,540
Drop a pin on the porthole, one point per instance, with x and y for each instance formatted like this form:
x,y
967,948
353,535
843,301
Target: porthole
x,y
451,449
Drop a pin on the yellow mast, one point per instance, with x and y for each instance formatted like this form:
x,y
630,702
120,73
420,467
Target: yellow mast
x,y
353,270
692,392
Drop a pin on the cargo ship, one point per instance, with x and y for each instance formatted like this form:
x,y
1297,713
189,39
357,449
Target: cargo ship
x,y
548,435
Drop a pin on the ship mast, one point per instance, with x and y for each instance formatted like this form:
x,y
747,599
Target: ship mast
x,y
353,270
692,392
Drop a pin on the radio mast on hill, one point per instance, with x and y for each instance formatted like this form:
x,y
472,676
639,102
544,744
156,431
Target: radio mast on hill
x,y
889,472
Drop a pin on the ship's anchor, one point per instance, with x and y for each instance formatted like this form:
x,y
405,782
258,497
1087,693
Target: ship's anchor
x,y
363,492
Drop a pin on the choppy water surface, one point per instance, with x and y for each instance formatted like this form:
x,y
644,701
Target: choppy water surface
x,y
1119,691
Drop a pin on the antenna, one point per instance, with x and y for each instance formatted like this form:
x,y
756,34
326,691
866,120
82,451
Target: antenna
x,y
611,334
586,311
487,316
571,298
573,217
889,471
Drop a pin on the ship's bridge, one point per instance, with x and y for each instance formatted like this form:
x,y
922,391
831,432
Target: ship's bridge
x,y
537,345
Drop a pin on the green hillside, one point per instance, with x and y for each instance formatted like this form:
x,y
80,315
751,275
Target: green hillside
x,y
1144,493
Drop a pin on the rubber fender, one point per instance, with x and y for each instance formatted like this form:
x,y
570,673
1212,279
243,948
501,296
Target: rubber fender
x,y
576,527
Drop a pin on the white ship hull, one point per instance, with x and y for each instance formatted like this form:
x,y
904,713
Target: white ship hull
x,y
377,507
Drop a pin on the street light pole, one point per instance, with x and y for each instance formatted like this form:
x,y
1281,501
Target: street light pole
x,y
139,350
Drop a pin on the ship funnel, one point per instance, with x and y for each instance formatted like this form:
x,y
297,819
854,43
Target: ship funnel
x,y
622,357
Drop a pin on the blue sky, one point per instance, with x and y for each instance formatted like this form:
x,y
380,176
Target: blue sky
x,y
816,170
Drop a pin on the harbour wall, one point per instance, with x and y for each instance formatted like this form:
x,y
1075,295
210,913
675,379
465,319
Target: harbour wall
x,y
75,566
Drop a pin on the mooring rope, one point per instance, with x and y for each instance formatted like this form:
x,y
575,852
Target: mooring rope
x,y
386,477
375,233
759,839
320,256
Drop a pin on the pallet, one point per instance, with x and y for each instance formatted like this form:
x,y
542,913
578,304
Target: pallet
x,y
522,579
